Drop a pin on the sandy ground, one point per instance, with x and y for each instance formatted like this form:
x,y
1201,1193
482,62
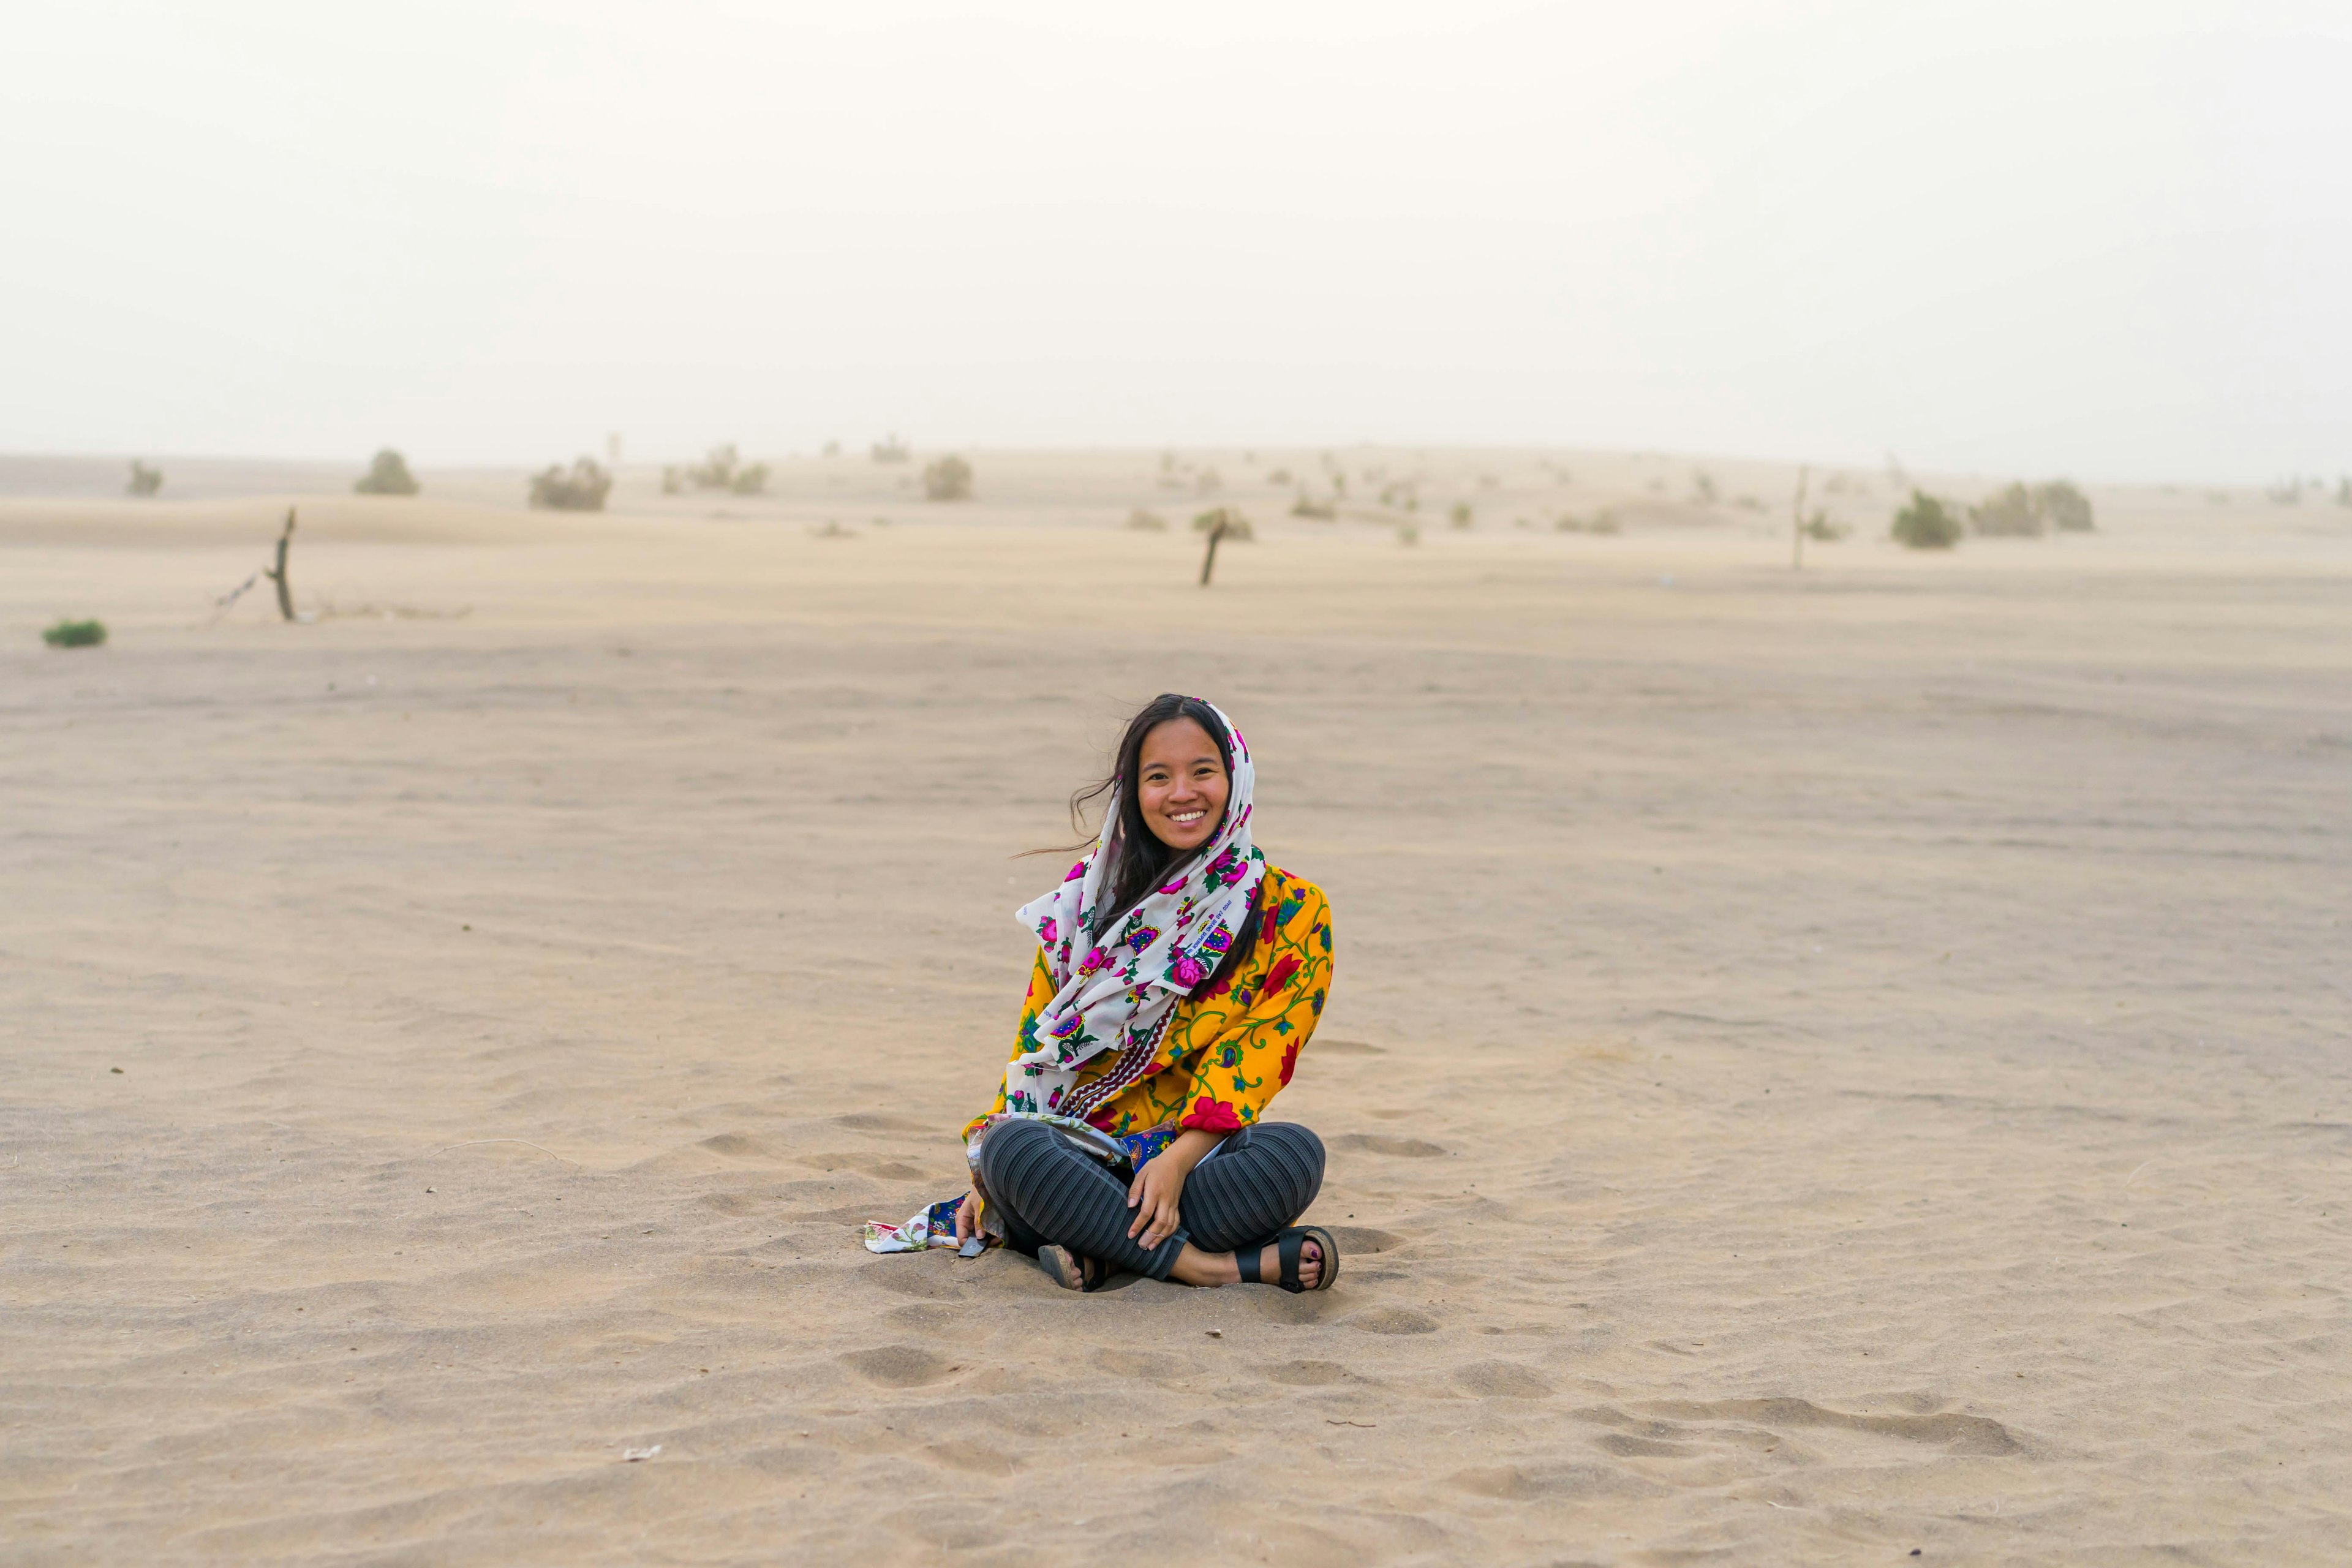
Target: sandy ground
x,y
1820,1065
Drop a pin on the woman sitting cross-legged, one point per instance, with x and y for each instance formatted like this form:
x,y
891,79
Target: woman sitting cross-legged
x,y
1178,978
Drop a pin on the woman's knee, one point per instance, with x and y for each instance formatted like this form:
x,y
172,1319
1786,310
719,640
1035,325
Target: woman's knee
x,y
1295,1147
1010,1149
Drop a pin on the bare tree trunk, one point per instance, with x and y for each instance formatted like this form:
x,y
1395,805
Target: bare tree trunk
x,y
1797,522
278,575
1209,561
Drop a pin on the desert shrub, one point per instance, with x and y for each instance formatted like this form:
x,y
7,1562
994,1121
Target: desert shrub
x,y
949,478
715,472
1926,524
1408,535
2067,509
750,482
76,634
2286,492
582,487
1462,515
1146,521
1819,526
1601,521
1208,482
1702,487
1278,476
1321,510
1237,527
890,449
2010,512
387,476
144,480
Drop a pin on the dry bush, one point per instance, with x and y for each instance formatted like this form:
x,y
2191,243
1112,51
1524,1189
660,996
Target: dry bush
x,y
949,478
1601,521
1278,476
890,449
1320,510
1462,515
2068,508
388,475
1237,527
1926,524
581,488
144,480
1146,521
749,481
2009,513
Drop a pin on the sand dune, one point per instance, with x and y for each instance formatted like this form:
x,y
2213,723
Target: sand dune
x,y
1821,1065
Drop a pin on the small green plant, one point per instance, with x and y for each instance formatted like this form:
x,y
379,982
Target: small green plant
x,y
1321,510
387,476
1819,526
949,478
749,481
76,634
1462,515
1144,521
144,480
1408,535
583,488
1237,527
1926,524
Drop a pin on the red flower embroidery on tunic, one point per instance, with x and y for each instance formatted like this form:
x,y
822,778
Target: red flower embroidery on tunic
x,y
1289,1063
1284,968
1213,1116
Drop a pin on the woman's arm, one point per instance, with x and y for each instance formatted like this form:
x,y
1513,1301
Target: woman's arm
x,y
1159,1187
1237,1075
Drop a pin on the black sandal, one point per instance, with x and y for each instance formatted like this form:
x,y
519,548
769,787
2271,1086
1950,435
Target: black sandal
x,y
1071,1271
1289,1246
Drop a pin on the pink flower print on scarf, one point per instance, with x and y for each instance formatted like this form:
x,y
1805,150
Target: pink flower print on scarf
x,y
1049,931
1187,971
1094,959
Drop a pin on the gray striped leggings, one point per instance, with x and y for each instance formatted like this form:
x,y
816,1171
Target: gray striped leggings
x,y
1042,1190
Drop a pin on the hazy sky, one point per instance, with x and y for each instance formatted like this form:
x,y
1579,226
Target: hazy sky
x,y
2107,239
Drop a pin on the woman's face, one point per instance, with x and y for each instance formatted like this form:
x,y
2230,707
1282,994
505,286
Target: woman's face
x,y
1182,785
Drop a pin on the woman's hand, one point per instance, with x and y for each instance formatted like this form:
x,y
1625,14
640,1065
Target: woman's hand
x,y
1159,1186
967,1217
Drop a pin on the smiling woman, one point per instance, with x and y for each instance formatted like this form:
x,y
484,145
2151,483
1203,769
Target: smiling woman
x,y
1178,978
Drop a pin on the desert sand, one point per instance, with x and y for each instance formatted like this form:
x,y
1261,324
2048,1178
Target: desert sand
x,y
1821,1065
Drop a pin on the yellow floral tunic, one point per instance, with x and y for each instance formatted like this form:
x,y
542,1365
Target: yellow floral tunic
x,y
1232,1044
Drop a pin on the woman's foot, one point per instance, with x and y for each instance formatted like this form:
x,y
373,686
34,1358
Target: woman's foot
x,y
1194,1267
1070,1270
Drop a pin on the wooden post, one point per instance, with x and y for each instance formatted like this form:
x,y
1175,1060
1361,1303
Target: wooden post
x,y
1209,561
278,575
1797,522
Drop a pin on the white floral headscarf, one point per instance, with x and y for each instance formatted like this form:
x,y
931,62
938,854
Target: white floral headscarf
x,y
1118,988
